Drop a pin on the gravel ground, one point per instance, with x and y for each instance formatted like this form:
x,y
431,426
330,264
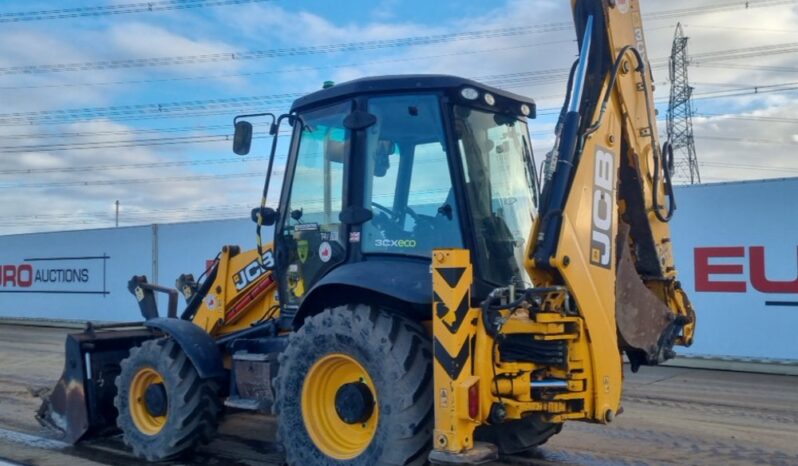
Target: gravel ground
x,y
671,416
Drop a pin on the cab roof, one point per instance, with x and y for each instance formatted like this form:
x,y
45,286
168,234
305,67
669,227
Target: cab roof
x,y
399,83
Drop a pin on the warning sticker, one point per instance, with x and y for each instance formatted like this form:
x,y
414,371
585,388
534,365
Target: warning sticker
x,y
325,252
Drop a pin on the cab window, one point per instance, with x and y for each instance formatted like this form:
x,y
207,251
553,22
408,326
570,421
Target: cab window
x,y
408,184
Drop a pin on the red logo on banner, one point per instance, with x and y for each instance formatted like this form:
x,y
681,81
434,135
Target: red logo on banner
x,y
733,278
16,276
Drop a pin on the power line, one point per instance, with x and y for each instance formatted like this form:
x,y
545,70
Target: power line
x,y
120,9
757,118
290,70
181,108
171,179
173,218
749,52
717,8
132,166
750,167
77,134
170,108
285,52
748,140
738,28
740,92
126,211
113,144
357,46
736,66
185,109
751,90
206,107
120,144
109,219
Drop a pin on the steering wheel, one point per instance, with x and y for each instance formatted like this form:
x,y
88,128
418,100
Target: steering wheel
x,y
388,211
395,215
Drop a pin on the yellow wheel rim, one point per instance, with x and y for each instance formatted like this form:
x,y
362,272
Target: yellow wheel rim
x,y
333,436
144,420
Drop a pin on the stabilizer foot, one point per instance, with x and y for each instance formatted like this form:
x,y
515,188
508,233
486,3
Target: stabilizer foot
x,y
482,453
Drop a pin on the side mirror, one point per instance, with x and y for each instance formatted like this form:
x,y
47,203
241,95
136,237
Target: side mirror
x,y
242,139
268,216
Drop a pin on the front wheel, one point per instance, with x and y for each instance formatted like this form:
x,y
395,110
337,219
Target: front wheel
x,y
355,387
165,408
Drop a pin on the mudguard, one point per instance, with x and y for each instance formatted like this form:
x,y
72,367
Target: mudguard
x,y
404,284
200,347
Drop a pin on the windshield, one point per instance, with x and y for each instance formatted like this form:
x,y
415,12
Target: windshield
x,y
500,185
312,233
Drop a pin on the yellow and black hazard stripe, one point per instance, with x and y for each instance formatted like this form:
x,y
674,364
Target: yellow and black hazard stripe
x,y
454,331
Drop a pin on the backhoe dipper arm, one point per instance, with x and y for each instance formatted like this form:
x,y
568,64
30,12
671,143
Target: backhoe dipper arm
x,y
599,255
603,228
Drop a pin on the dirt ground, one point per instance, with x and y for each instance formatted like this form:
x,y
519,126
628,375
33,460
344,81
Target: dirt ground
x,y
671,416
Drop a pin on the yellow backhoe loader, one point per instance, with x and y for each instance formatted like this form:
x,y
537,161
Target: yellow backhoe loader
x,y
430,295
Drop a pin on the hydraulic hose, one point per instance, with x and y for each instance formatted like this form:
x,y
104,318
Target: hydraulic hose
x,y
667,148
667,153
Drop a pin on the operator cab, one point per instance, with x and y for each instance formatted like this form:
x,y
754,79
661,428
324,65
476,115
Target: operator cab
x,y
384,170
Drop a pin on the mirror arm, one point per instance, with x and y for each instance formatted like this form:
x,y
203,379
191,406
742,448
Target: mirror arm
x,y
253,115
275,128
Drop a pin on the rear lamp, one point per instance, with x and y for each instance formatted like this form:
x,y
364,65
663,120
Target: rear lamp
x,y
473,401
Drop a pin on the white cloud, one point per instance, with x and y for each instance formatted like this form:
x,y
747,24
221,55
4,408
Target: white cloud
x,y
271,25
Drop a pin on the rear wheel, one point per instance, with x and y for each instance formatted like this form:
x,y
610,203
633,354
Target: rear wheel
x,y
355,387
519,436
165,408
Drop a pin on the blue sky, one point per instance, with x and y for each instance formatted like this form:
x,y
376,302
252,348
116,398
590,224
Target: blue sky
x,y
40,182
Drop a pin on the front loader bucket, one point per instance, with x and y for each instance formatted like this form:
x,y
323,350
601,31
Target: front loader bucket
x,y
81,404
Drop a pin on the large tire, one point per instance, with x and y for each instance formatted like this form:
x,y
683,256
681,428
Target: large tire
x,y
519,436
396,355
192,404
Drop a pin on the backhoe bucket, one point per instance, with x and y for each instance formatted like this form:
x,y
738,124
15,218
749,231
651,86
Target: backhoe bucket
x,y
81,404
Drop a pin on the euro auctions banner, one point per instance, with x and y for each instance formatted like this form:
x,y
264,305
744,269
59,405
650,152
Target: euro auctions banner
x,y
56,275
77,275
83,275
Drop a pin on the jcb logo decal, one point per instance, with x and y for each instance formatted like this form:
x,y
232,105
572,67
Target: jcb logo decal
x,y
603,209
252,271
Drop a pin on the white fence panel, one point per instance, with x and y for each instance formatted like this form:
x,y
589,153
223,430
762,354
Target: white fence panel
x,y
735,245
78,275
736,248
188,247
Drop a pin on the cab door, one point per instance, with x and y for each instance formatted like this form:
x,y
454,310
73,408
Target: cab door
x,y
310,235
